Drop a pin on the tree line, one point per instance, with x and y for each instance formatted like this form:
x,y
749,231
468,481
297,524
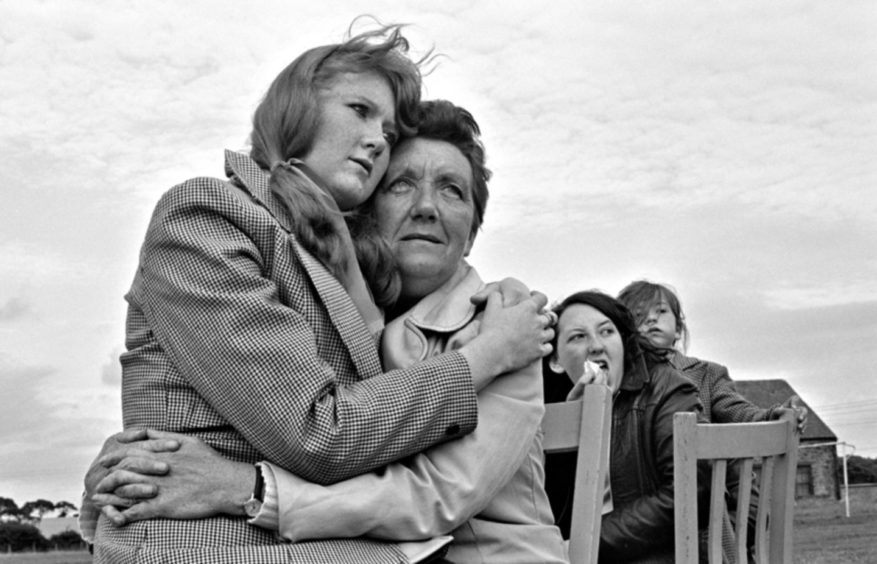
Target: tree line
x,y
860,470
18,526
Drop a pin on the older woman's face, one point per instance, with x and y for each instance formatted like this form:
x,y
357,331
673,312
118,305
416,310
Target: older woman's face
x,y
351,147
424,208
585,333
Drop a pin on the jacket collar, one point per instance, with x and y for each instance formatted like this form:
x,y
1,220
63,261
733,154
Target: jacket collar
x,y
247,174
682,362
636,378
448,308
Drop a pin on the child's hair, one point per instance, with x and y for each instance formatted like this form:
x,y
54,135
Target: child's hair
x,y
641,295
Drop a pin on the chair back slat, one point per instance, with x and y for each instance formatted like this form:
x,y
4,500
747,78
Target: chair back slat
x,y
717,510
584,426
744,496
776,444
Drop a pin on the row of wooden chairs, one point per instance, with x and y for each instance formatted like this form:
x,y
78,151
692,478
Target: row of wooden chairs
x,y
584,425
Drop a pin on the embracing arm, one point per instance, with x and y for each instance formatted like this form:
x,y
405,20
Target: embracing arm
x,y
431,494
632,530
244,339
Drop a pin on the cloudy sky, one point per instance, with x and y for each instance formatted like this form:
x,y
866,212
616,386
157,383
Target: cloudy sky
x,y
725,148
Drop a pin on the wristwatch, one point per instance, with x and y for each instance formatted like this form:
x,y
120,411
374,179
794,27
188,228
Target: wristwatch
x,y
253,505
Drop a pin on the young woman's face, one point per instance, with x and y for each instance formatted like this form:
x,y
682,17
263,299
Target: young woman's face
x,y
659,325
584,333
356,129
424,209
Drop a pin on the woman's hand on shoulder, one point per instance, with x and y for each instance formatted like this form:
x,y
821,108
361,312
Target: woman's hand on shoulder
x,y
510,337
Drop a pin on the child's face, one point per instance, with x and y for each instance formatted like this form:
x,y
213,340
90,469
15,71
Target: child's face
x,y
659,325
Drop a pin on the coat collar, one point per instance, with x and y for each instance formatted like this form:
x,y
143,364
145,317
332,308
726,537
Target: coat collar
x,y
635,378
247,174
448,308
682,362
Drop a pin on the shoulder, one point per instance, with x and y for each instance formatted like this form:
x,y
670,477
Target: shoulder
x,y
692,364
667,381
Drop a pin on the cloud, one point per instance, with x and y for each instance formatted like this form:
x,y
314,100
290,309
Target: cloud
x,y
14,308
111,372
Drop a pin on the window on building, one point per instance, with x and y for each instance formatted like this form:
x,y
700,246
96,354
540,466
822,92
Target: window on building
x,y
804,481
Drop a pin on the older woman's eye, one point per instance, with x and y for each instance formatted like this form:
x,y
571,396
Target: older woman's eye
x,y
455,191
391,137
399,186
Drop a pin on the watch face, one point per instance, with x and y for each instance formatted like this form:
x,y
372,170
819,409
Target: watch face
x,y
252,507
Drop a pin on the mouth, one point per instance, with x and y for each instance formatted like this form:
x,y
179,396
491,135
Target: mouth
x,y
366,164
604,365
421,237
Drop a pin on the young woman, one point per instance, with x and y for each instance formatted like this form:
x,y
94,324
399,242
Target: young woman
x,y
250,325
637,523
486,489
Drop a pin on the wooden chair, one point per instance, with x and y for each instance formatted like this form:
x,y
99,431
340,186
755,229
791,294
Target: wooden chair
x,y
583,425
776,442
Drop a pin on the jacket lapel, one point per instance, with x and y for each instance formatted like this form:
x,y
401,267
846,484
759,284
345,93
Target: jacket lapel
x,y
340,307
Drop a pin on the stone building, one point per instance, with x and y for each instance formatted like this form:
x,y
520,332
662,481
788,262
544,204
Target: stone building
x,y
817,452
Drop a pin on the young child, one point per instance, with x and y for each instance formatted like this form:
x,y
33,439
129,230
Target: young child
x,y
658,315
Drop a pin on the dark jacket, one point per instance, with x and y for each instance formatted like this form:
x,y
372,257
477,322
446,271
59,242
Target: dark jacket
x,y
640,526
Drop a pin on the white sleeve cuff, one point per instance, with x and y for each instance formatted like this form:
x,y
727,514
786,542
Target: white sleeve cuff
x,y
264,514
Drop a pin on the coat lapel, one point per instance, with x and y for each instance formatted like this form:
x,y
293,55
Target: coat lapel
x,y
340,307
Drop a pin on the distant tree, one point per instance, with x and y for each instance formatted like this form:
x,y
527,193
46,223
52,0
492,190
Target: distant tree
x,y
33,511
65,508
68,540
860,470
15,537
9,510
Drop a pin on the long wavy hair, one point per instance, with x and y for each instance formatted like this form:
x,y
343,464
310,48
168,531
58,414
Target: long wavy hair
x,y
285,122
438,120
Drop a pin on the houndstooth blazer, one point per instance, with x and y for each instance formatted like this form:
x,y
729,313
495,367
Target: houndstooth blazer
x,y
235,334
721,401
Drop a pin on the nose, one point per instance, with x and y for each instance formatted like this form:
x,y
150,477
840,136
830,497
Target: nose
x,y
374,139
595,346
425,207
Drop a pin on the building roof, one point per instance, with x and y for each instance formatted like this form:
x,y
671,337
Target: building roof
x,y
765,393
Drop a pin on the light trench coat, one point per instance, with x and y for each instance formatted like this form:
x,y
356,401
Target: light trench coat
x,y
486,489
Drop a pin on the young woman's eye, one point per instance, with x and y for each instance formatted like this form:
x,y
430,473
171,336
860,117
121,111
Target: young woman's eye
x,y
361,109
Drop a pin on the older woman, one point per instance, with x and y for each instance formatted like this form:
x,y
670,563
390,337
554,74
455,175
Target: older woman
x,y
250,325
486,489
637,523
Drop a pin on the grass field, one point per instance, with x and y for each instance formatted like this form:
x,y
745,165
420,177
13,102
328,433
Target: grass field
x,y
823,534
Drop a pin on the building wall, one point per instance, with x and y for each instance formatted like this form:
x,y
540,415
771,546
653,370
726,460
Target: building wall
x,y
822,461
